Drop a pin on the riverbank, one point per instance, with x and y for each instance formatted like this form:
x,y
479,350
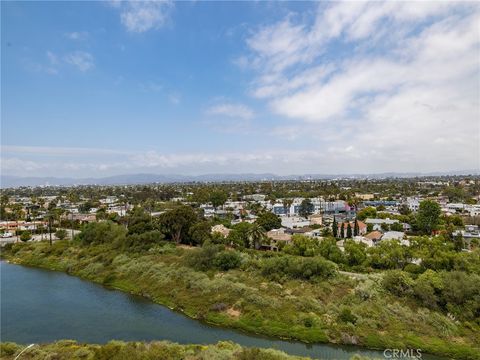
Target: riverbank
x,y
310,311
68,349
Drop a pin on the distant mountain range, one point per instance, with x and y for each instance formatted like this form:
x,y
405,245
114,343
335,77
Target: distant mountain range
x,y
7,181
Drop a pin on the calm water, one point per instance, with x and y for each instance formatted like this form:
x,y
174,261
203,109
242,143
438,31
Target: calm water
x,y
42,306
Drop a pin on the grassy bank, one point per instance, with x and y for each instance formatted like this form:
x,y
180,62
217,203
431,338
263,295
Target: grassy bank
x,y
337,310
68,349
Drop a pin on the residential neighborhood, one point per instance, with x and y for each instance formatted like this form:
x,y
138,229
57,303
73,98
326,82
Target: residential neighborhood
x,y
366,218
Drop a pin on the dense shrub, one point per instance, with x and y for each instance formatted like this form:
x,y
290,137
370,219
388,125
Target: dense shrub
x,y
61,234
347,316
143,241
102,232
226,260
298,267
427,289
202,259
302,245
397,282
455,292
460,294
25,236
214,256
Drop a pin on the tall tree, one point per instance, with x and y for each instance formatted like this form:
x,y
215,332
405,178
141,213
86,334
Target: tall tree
x,y
334,227
287,203
218,198
428,216
269,221
306,208
342,230
256,236
349,231
356,228
176,223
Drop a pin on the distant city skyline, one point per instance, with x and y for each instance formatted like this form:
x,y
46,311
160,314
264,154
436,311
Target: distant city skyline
x,y
95,89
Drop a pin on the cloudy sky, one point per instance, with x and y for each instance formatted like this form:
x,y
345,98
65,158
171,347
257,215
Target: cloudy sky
x,y
105,88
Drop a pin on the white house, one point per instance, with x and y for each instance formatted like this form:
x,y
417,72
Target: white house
x,y
294,222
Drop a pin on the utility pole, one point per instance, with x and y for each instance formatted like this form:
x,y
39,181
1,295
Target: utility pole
x,y
50,228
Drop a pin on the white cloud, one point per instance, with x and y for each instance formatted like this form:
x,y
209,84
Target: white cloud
x,y
82,162
77,35
229,117
388,77
231,110
82,60
57,151
141,16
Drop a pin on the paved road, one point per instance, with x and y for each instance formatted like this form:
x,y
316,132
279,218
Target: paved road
x,y
37,237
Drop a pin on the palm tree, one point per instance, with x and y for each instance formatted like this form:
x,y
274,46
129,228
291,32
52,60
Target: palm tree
x,y
50,218
287,203
256,236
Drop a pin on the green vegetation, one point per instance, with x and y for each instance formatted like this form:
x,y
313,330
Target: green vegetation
x,y
26,235
61,234
269,221
428,217
306,208
118,350
280,295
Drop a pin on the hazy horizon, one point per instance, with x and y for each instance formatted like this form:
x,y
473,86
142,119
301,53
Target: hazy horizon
x,y
98,89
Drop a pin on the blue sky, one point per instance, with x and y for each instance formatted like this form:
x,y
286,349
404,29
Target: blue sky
x,y
104,88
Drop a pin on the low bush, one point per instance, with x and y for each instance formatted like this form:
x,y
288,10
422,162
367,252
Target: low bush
x,y
226,260
347,316
398,282
298,267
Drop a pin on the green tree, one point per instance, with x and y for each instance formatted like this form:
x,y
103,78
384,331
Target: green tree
x,y
334,228
139,221
25,236
349,231
404,209
355,254
427,288
306,208
356,228
269,221
286,205
428,216
389,254
61,234
101,214
329,250
200,232
369,227
226,260
176,223
102,232
4,202
342,230
368,212
396,226
239,235
218,198
302,245
256,236
398,282
455,193
458,242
